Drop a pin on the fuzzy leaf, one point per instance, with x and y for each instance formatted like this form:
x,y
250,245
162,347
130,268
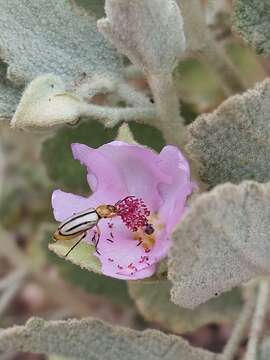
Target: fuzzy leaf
x,y
222,242
46,103
93,340
232,144
153,301
149,32
58,159
252,21
82,254
48,36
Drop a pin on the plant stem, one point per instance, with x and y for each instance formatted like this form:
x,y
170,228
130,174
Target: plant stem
x,y
170,122
239,329
132,96
258,319
111,116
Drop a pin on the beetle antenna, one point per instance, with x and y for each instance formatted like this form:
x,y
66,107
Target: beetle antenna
x,y
77,243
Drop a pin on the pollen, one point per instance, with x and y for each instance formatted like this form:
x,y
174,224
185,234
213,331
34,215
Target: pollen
x,y
133,212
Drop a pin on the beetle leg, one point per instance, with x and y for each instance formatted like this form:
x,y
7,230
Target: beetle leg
x,y
77,243
98,238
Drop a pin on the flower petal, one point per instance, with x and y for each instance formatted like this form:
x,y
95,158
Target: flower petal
x,y
121,256
102,176
139,168
175,194
66,204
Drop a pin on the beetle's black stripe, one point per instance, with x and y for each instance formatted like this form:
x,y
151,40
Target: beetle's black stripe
x,y
75,218
67,235
81,224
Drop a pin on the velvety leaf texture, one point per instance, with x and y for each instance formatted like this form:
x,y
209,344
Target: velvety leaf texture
x,y
149,32
252,21
223,241
153,301
233,143
94,340
48,36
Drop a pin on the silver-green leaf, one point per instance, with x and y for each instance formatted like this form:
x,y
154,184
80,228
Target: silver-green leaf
x,y
91,339
48,36
252,21
232,144
222,242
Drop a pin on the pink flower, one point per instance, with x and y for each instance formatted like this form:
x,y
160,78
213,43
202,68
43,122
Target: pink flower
x,y
118,170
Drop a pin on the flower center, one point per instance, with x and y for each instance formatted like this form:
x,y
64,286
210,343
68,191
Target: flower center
x,y
133,213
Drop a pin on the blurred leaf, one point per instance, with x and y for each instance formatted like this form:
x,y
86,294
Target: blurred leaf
x,y
9,95
221,243
48,36
233,142
252,21
113,289
153,301
198,84
92,6
246,62
265,349
147,135
91,339
56,153
194,23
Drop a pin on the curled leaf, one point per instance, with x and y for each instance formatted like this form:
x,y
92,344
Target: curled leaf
x,y
222,242
93,339
46,103
233,143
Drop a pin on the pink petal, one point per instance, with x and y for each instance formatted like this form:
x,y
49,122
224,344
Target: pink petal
x,y
66,204
119,254
103,177
139,168
175,194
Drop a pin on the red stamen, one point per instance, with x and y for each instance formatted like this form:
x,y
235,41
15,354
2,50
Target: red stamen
x,y
133,212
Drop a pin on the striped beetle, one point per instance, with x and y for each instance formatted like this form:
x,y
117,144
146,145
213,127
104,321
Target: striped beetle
x,y
78,224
